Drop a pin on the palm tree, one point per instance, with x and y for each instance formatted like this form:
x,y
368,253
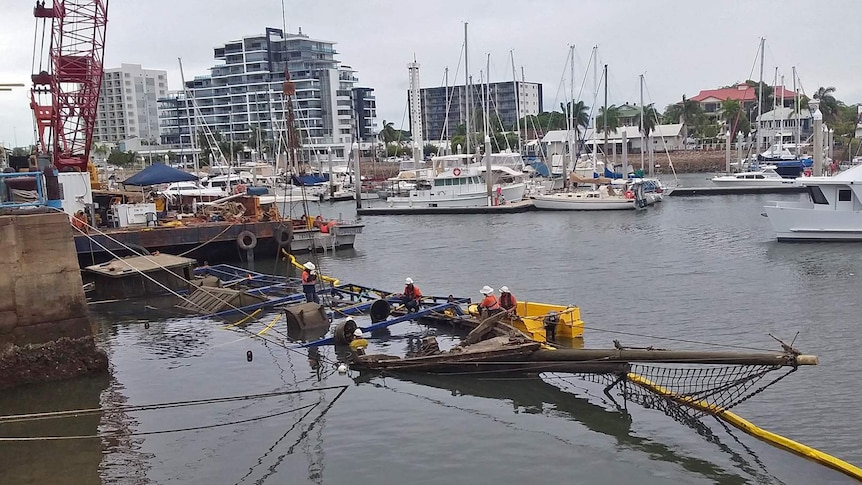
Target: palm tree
x,y
828,103
650,115
730,113
388,133
688,112
612,114
580,113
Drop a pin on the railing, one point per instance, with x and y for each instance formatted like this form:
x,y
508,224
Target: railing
x,y
9,192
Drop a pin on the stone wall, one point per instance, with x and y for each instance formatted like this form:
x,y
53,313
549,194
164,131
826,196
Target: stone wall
x,y
45,331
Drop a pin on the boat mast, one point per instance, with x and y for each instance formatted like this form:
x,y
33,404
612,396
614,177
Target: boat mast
x,y
489,182
517,100
642,121
605,117
467,89
570,122
415,112
760,95
796,109
446,151
195,157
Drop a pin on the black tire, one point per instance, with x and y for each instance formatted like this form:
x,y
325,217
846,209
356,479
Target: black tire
x,y
246,240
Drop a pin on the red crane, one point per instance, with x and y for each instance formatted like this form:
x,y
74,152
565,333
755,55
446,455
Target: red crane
x,y
65,92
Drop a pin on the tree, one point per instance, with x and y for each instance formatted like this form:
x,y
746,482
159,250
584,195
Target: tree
x,y
122,159
609,117
768,98
388,134
650,115
828,104
688,112
429,149
731,113
580,113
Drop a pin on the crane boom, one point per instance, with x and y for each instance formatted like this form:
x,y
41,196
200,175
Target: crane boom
x,y
65,92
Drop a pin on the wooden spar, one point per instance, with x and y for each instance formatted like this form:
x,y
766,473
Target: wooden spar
x,y
671,356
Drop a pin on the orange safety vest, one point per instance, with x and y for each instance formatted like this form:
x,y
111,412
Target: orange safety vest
x,y
490,302
412,292
308,278
508,301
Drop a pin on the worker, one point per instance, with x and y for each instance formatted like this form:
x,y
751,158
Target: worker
x,y
79,220
309,282
411,296
357,343
489,304
507,300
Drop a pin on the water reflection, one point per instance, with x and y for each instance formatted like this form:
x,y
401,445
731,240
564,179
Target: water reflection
x,y
533,395
24,462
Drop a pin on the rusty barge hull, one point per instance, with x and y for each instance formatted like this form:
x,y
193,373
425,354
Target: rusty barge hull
x,y
213,242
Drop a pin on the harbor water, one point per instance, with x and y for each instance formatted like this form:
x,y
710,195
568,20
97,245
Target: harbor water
x,y
688,273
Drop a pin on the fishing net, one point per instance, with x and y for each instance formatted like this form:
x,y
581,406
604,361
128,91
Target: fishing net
x,y
687,392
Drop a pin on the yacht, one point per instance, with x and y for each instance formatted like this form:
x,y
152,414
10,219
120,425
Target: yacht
x,y
193,189
831,212
755,178
457,187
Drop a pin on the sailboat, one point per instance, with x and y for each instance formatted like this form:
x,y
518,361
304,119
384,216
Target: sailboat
x,y
605,194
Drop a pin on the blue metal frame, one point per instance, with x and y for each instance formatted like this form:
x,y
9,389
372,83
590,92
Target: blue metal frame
x,y
41,200
361,297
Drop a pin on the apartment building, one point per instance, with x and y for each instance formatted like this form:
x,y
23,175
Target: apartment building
x,y
244,92
128,104
444,108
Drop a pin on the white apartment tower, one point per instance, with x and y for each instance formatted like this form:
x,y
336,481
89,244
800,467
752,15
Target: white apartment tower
x,y
128,106
244,95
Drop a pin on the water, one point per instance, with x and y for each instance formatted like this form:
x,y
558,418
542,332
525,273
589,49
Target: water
x,y
701,270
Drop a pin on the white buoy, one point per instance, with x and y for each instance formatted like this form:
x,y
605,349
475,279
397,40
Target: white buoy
x,y
342,369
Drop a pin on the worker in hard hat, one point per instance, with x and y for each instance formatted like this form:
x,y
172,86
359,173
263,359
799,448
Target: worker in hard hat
x,y
357,343
411,296
309,282
489,304
507,300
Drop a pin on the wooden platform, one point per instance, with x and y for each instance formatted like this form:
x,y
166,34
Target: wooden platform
x,y
520,206
715,190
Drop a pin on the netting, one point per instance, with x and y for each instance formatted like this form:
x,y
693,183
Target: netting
x,y
687,392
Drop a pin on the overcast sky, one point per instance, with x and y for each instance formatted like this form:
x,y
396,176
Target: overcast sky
x,y
680,46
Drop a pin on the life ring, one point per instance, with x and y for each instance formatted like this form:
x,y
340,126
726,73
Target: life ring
x,y
246,240
629,194
284,235
239,189
456,171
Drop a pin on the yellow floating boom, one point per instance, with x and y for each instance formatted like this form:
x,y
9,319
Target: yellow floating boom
x,y
751,429
293,261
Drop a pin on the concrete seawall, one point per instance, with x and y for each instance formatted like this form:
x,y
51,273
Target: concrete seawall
x,y
45,331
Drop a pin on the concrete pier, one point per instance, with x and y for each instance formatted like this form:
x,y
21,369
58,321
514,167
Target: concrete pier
x,y
45,331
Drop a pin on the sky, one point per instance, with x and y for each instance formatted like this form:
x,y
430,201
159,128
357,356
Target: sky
x,y
679,46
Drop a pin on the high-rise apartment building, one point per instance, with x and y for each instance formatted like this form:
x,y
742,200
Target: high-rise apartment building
x,y
504,104
244,94
128,106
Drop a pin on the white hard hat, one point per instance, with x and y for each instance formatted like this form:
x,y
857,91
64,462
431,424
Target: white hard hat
x,y
504,289
349,319
487,290
408,281
357,333
309,265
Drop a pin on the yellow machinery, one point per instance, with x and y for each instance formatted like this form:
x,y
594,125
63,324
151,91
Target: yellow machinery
x,y
532,317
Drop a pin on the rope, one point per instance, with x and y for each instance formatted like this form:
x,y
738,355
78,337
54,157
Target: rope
x,y
146,257
209,241
155,406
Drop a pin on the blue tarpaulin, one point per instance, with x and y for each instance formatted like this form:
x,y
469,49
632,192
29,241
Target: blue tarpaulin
x,y
159,173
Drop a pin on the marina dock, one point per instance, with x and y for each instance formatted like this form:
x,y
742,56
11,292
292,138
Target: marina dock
x,y
694,191
520,206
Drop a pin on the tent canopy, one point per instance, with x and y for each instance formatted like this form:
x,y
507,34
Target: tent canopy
x,y
159,173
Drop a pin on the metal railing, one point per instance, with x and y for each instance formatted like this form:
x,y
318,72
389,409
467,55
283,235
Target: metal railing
x,y
12,197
